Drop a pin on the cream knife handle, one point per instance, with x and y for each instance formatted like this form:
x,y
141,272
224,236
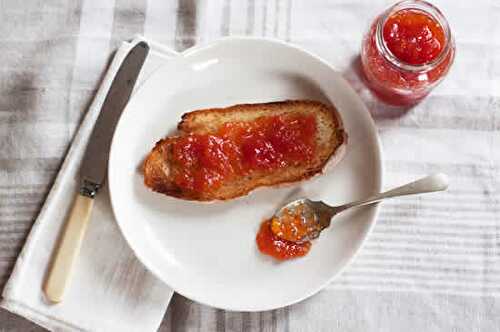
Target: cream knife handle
x,y
68,249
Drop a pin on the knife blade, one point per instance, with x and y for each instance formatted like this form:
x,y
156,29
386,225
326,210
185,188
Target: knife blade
x,y
95,160
93,172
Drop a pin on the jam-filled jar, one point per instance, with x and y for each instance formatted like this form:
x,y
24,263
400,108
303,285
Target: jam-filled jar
x,y
407,51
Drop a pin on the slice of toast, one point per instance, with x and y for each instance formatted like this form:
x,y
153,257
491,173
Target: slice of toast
x,y
330,145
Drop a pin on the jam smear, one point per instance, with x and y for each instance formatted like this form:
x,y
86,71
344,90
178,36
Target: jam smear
x,y
413,36
240,148
270,244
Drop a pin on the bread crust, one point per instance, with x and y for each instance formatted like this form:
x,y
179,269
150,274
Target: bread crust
x,y
157,168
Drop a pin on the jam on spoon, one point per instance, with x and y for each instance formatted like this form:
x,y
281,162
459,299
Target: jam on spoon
x,y
272,245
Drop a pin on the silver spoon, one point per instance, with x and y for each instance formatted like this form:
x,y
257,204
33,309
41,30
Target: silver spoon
x,y
315,216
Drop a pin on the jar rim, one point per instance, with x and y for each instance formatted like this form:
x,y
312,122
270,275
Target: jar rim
x,y
428,9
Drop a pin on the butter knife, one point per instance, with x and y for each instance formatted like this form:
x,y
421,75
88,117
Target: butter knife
x,y
92,173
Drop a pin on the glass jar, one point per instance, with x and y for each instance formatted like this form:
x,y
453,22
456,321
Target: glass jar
x,y
402,64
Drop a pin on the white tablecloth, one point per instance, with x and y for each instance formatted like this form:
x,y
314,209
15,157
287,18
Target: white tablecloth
x,y
431,264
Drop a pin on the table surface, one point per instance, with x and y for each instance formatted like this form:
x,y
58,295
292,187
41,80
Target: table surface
x,y
430,265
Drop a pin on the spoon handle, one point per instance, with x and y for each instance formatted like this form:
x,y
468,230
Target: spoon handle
x,y
431,183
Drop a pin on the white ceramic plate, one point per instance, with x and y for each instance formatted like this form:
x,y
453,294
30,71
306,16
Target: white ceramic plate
x,y
207,252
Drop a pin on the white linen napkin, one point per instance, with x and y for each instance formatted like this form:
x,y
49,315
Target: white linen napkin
x,y
110,289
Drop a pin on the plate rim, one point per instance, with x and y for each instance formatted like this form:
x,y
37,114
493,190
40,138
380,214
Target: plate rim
x,y
379,155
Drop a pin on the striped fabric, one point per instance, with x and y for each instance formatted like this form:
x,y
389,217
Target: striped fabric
x,y
432,262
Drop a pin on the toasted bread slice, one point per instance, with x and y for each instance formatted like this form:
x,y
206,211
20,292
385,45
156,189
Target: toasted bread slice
x,y
330,145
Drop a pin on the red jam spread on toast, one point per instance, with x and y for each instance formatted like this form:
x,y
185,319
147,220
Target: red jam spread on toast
x,y
270,244
241,148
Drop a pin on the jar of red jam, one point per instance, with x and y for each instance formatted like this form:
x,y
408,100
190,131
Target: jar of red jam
x,y
407,51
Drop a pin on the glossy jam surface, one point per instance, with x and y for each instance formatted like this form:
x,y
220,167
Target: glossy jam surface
x,y
417,40
205,160
241,148
270,244
293,224
414,37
